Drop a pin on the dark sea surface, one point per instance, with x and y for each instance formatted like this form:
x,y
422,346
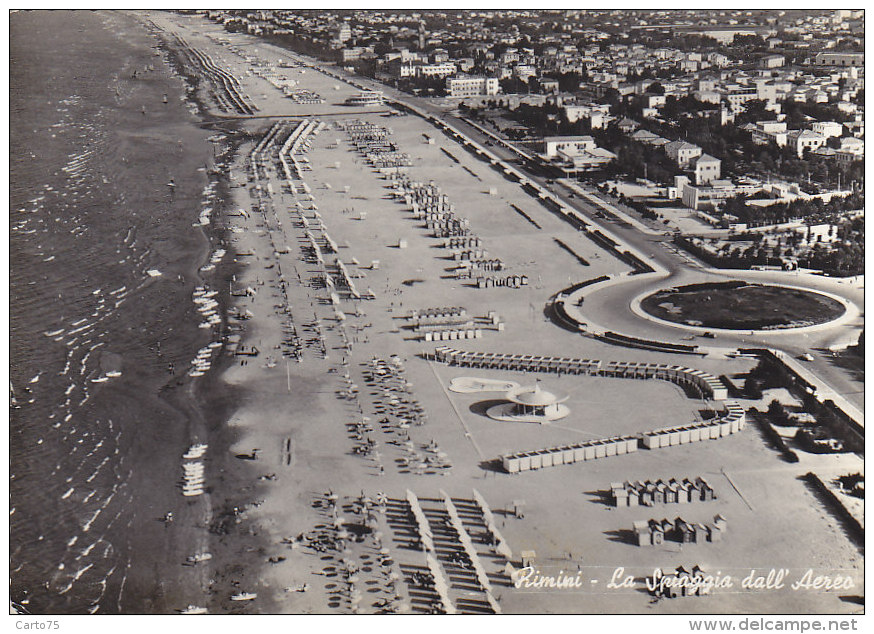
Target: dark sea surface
x,y
94,455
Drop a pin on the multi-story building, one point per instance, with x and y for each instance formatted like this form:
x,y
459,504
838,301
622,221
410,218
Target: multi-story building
x,y
828,128
706,168
840,59
801,140
351,54
772,61
552,145
445,69
763,132
465,86
575,153
342,32
682,152
713,193
597,114
738,96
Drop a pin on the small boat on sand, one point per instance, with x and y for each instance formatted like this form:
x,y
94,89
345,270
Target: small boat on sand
x,y
244,596
193,609
199,557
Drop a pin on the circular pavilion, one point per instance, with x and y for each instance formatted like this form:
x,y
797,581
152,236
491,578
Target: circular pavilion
x,y
530,404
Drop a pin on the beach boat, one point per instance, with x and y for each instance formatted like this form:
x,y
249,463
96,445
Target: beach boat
x,y
100,379
199,557
193,609
196,451
189,494
113,374
244,596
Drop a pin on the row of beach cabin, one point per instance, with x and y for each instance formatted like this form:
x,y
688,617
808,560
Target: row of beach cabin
x,y
656,532
672,491
710,387
708,430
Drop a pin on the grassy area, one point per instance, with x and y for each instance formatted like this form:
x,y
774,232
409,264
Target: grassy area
x,y
736,305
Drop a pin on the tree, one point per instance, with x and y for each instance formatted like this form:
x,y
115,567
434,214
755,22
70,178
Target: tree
x,y
777,412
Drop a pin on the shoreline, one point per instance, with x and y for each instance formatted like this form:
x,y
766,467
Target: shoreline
x,y
216,527
200,414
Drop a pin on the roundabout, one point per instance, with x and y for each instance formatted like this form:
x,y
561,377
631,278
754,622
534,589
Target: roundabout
x,y
813,311
741,306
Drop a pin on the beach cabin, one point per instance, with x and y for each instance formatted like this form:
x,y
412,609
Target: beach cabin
x,y
706,491
619,494
645,496
642,533
528,557
683,492
714,533
658,533
684,589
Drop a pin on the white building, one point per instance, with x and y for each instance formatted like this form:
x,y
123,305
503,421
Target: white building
x,y
682,152
828,128
764,132
707,168
840,59
575,153
597,117
801,140
445,69
772,61
567,144
343,32
462,86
